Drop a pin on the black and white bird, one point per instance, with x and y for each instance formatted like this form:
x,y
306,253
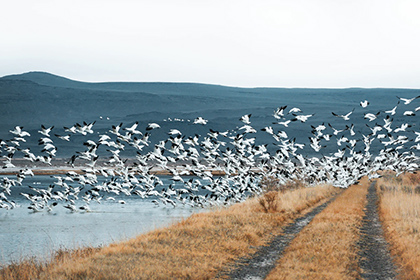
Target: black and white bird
x,y
133,129
279,112
151,126
64,137
364,103
200,120
45,131
409,113
295,110
371,117
407,100
345,117
18,130
302,118
246,119
393,110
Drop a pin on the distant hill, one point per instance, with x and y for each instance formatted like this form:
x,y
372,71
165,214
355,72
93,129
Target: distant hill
x,y
47,79
36,98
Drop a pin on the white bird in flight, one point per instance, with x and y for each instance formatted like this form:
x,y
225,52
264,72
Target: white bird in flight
x,y
200,120
364,103
245,119
345,117
408,100
45,131
371,116
152,126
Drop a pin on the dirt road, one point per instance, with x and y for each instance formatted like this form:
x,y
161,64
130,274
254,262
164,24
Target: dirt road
x,y
374,258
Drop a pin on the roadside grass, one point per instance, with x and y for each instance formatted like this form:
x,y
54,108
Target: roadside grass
x,y
195,248
327,247
399,210
32,268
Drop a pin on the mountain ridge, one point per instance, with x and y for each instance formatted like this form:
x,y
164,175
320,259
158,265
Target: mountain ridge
x,y
39,98
50,79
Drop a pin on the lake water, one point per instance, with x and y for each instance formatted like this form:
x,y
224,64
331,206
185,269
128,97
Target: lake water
x,y
24,233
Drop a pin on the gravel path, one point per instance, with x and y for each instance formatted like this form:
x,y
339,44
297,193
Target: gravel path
x,y
375,260
264,260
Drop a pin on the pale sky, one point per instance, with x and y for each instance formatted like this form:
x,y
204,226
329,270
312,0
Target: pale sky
x,y
296,43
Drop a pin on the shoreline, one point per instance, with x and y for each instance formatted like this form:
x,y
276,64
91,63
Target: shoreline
x,y
64,170
60,166
60,170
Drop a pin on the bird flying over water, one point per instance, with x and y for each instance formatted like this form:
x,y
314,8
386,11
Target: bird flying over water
x,y
345,117
245,119
200,120
407,100
371,116
335,154
364,103
151,126
45,131
302,118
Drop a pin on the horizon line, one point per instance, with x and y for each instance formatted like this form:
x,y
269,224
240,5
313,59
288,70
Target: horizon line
x,y
201,83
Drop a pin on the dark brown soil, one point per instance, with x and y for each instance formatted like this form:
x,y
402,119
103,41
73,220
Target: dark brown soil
x,y
375,258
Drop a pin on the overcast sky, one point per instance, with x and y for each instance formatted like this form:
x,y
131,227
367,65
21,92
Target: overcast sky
x,y
296,43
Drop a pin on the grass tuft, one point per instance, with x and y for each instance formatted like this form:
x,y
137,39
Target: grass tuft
x,y
399,211
269,202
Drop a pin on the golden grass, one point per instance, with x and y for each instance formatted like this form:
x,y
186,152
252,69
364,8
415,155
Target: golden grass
x,y
196,248
32,268
327,247
399,210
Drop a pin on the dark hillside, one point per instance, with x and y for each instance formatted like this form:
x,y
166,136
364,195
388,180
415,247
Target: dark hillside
x,y
36,98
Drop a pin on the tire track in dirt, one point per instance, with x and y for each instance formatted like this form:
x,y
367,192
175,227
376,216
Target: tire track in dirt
x,y
375,261
259,265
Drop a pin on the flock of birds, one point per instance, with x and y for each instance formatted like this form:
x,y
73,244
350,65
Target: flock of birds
x,y
193,160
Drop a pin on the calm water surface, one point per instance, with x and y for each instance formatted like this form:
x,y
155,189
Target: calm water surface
x,y
24,233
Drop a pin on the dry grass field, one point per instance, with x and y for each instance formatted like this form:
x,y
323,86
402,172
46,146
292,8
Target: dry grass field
x,y
400,216
327,247
196,248
204,244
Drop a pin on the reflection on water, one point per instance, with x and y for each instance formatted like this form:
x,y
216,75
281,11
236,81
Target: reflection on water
x,y
24,234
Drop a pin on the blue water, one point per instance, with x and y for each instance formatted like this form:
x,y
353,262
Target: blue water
x,y
24,233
